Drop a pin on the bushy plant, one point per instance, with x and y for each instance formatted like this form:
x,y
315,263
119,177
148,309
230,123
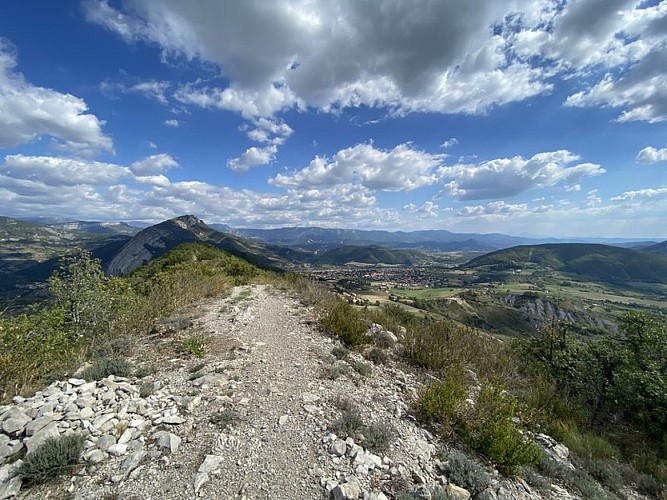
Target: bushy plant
x,y
363,369
103,367
224,419
340,352
467,473
442,401
32,346
58,455
349,422
90,300
488,427
195,344
378,437
378,356
333,372
342,320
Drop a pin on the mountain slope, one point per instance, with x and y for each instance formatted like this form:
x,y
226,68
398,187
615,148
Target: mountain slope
x,y
157,240
370,255
660,248
601,262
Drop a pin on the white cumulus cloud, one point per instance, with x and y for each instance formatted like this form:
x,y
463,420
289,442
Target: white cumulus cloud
x,y
640,194
253,157
506,177
651,155
402,168
58,171
153,165
28,112
436,55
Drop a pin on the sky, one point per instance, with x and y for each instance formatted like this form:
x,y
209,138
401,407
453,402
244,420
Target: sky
x,y
525,117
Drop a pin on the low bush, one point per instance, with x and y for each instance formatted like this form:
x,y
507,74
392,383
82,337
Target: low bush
x,y
467,473
114,347
333,372
224,419
348,423
606,472
340,352
442,401
145,371
146,389
57,456
103,367
533,478
363,369
488,428
342,320
378,356
378,437
195,344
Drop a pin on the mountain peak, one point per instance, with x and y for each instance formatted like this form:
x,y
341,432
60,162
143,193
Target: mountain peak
x,y
187,221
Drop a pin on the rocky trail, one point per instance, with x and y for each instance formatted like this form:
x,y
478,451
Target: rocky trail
x,y
260,416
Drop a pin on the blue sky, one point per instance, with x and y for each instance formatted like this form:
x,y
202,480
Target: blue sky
x,y
541,117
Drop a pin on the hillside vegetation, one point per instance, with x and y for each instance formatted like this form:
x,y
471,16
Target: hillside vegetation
x,y
87,310
599,262
370,255
605,399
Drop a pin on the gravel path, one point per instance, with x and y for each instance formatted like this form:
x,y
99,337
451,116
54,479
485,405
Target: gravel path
x,y
273,446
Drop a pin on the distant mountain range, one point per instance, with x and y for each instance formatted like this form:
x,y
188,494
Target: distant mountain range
x,y
156,240
314,238
30,250
597,262
657,248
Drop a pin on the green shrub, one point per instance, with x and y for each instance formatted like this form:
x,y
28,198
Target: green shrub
x,y
533,478
58,455
103,367
362,368
467,473
34,346
340,352
114,347
146,389
195,344
144,371
588,487
378,437
342,320
378,356
441,402
648,485
224,419
606,472
488,428
333,372
348,423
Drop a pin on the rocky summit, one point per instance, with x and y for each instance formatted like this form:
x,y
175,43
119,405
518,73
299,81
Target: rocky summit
x,y
267,413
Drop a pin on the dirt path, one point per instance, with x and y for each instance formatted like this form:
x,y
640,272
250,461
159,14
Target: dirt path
x,y
272,449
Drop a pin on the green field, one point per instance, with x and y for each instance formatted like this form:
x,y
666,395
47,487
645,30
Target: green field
x,y
425,293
